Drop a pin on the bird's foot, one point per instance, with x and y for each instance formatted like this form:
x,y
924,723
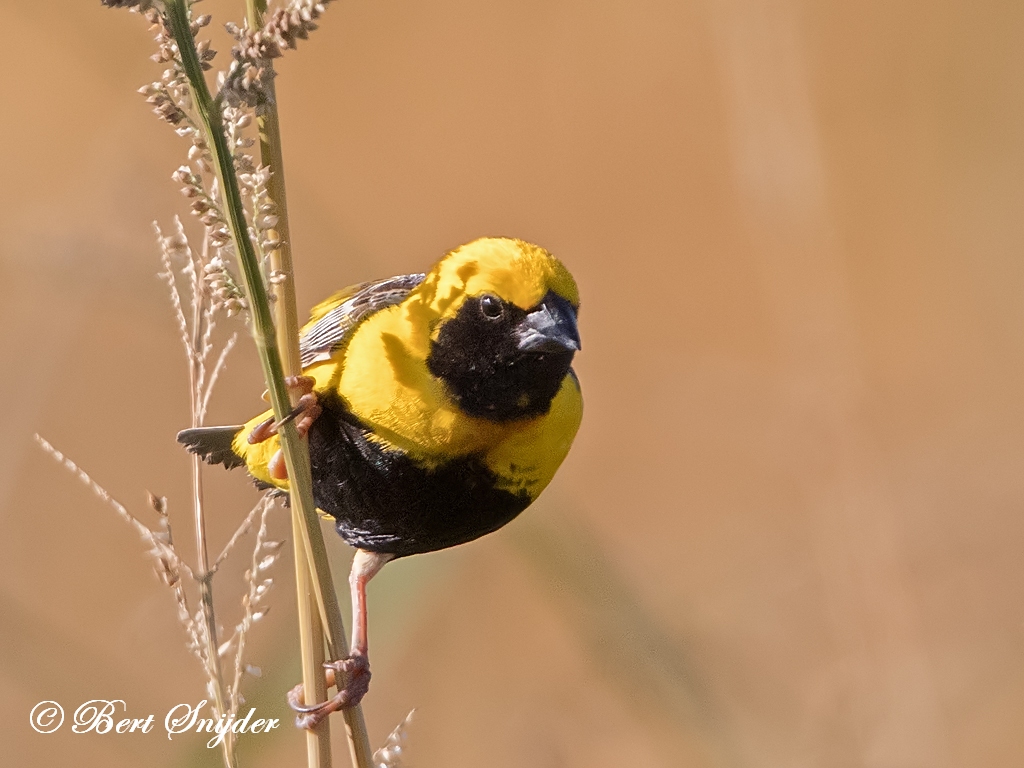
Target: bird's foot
x,y
354,669
306,411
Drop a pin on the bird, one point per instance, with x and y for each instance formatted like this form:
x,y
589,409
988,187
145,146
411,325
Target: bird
x,y
437,406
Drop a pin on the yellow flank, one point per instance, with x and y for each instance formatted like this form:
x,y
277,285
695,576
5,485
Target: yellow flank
x,y
382,377
257,456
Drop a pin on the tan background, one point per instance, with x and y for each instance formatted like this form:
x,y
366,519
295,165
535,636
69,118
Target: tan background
x,y
790,531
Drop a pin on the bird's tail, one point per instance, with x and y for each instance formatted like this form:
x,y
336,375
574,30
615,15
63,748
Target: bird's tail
x,y
212,444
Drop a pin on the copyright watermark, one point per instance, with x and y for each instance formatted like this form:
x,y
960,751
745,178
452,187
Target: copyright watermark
x,y
111,716
46,717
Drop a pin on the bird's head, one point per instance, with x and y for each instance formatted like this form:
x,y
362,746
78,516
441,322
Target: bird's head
x,y
502,315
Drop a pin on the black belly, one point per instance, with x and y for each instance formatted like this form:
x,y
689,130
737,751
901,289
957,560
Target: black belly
x,y
384,502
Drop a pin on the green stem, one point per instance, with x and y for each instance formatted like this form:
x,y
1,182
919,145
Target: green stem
x,y
311,629
263,330
286,314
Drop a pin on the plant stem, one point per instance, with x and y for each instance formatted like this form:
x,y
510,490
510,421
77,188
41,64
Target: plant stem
x,y
286,315
311,640
205,576
264,334
318,740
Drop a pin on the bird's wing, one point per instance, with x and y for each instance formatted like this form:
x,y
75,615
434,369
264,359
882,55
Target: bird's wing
x,y
332,321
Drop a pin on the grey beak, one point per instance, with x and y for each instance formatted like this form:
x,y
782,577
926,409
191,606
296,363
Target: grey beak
x,y
551,327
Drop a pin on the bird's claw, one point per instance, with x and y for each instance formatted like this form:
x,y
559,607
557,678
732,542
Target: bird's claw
x,y
355,670
306,411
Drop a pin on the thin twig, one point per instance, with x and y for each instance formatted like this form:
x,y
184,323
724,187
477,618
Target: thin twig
x,y
215,374
148,536
201,328
258,586
260,508
167,246
173,578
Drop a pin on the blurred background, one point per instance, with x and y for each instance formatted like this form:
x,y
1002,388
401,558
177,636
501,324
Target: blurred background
x,y
790,530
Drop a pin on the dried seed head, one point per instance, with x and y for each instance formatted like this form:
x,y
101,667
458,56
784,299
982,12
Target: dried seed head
x,y
265,221
221,285
390,755
133,5
227,646
248,79
158,503
175,245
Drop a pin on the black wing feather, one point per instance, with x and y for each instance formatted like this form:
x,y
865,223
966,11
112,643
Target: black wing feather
x,y
332,329
212,444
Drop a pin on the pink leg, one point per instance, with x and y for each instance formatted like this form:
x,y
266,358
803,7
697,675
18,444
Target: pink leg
x,y
365,565
355,668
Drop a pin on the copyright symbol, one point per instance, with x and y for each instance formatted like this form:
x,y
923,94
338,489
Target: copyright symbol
x,y
46,717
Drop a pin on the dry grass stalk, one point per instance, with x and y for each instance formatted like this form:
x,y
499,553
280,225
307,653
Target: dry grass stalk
x,y
219,176
196,301
196,331
307,572
175,573
254,607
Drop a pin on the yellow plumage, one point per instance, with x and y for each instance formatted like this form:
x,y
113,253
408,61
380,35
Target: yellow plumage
x,y
381,375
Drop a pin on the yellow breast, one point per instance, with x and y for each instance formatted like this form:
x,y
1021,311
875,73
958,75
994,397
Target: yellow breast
x,y
528,456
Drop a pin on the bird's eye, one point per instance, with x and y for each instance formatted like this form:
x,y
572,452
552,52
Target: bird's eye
x,y
491,306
